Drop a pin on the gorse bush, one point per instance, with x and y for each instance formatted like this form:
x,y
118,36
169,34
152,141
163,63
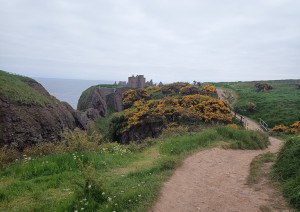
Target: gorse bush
x,y
292,129
189,89
263,86
148,118
130,96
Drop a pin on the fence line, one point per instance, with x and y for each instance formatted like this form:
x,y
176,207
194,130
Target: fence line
x,y
263,125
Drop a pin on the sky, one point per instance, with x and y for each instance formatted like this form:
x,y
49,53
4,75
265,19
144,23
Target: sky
x,y
165,40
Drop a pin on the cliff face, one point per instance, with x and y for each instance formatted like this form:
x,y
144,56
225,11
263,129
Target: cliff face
x,y
29,114
101,99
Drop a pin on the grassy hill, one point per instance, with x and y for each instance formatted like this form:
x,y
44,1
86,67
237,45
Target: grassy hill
x,y
17,89
280,105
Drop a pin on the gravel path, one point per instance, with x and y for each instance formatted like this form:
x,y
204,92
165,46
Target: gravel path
x,y
215,180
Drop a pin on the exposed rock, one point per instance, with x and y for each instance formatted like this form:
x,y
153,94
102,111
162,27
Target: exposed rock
x,y
101,99
95,98
27,120
114,100
138,134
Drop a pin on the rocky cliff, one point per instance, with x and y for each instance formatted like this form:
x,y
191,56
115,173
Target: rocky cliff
x,y
30,115
100,100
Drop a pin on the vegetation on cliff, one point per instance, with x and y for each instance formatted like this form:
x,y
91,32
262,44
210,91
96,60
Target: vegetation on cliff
x,y
16,89
146,115
279,105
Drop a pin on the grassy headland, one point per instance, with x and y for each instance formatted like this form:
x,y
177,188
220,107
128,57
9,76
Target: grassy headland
x,y
16,89
279,105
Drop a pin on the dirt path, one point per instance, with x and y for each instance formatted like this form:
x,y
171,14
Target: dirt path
x,y
215,180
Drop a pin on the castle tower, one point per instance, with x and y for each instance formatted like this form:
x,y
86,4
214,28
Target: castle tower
x,y
136,82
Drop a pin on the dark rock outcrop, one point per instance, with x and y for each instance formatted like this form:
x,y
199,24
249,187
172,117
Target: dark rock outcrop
x,y
25,122
100,99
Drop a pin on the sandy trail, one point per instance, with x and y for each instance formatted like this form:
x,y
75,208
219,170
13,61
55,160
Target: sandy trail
x,y
215,180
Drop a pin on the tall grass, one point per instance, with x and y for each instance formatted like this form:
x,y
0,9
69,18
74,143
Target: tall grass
x,y
287,170
243,139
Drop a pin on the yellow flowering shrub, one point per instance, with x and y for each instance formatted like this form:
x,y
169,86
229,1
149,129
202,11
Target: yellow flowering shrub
x,y
188,108
295,127
173,88
189,89
130,96
208,89
281,129
153,88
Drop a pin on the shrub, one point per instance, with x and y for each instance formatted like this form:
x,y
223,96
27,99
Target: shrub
x,y
130,96
208,89
295,127
263,87
251,106
173,88
281,129
189,89
80,141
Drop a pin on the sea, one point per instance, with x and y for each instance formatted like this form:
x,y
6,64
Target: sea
x,y
68,90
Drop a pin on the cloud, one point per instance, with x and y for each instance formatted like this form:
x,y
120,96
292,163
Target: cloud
x,y
164,40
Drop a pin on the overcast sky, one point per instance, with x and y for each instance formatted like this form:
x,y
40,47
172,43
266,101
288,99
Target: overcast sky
x,y
166,40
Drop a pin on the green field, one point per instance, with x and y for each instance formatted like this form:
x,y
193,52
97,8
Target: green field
x,y
112,178
281,105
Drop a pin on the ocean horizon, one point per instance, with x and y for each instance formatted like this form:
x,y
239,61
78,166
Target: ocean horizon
x,y
68,90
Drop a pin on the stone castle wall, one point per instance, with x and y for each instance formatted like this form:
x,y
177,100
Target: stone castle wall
x,y
136,82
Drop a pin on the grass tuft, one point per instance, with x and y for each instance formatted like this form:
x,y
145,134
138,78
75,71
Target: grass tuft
x,y
256,166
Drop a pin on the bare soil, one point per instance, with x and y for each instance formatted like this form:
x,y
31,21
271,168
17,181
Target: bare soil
x,y
215,180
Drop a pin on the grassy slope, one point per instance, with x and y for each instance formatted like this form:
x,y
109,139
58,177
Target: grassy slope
x,y
131,179
278,106
15,89
287,170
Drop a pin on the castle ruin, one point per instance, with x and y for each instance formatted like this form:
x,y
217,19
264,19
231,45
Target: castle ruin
x,y
136,82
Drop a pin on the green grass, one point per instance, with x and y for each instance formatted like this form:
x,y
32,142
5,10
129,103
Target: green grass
x,y
287,170
277,106
16,89
256,167
128,178
243,139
